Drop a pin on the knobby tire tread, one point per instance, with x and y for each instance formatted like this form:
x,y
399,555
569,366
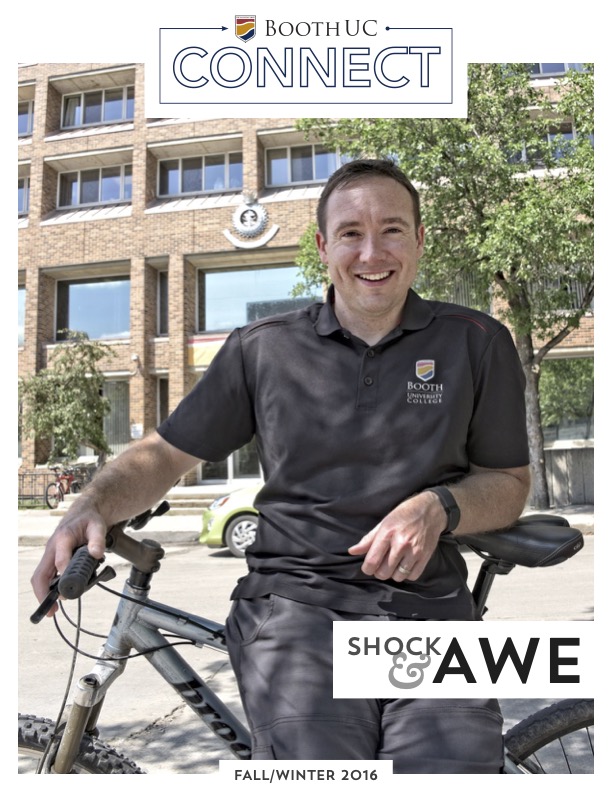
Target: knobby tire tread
x,y
95,757
548,725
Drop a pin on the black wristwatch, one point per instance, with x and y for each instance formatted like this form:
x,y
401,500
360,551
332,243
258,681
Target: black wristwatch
x,y
449,504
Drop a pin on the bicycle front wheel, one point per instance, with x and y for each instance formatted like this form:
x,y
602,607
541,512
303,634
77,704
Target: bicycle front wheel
x,y
94,757
54,495
557,739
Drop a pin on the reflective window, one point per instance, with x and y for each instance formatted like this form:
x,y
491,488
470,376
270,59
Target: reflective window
x,y
195,175
96,107
232,298
99,307
23,195
553,69
162,303
299,164
95,186
25,118
21,295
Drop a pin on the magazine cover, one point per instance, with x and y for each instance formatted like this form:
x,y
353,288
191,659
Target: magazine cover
x,y
306,394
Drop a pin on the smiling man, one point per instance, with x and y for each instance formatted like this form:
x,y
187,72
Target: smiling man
x,y
383,423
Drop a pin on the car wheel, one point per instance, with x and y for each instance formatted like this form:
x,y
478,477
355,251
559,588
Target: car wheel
x,y
240,533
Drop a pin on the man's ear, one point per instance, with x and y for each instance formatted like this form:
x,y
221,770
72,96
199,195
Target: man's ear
x,y
321,246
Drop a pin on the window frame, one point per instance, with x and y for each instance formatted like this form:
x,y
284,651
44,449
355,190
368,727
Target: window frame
x,y
163,312
125,182
126,102
202,272
24,210
180,168
29,116
566,67
339,159
65,310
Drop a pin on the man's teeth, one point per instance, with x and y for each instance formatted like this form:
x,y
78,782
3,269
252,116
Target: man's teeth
x,y
375,276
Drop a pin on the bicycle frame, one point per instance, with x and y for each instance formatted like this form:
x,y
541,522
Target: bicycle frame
x,y
139,621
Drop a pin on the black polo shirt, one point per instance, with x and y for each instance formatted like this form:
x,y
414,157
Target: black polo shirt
x,y
345,432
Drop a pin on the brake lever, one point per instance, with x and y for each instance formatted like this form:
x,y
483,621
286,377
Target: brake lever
x,y
106,574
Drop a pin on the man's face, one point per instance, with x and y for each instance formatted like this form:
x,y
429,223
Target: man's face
x,y
371,248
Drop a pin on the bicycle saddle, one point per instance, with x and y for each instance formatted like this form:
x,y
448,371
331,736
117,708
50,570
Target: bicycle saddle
x,y
538,540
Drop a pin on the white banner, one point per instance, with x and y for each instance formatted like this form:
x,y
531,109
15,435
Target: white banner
x,y
408,659
264,64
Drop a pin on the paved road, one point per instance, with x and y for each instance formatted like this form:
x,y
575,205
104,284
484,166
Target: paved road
x,y
148,722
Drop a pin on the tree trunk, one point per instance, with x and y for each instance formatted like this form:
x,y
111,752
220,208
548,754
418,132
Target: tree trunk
x,y
539,498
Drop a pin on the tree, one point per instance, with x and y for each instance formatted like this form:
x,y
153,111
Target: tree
x,y
507,202
63,404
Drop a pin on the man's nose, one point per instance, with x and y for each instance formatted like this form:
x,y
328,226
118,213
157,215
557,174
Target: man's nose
x,y
372,249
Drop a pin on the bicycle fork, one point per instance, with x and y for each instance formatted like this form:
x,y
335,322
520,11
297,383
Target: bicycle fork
x,y
84,711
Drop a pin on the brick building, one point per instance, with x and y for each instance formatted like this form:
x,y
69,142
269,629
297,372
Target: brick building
x,y
155,235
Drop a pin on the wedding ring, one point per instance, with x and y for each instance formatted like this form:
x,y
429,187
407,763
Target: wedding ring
x,y
403,570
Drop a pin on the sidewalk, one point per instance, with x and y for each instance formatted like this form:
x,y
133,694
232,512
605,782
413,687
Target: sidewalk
x,y
34,526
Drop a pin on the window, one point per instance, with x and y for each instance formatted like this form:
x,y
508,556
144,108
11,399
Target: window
x,y
231,298
98,107
95,186
162,303
243,463
552,69
163,399
194,175
117,422
23,195
99,307
295,164
566,399
21,295
555,145
25,118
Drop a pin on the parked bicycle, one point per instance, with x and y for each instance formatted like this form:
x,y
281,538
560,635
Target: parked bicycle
x,y
557,739
67,480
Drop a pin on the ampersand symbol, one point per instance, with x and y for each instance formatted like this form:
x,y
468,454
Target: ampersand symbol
x,y
414,671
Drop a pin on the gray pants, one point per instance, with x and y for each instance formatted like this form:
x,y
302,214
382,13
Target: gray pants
x,y
281,652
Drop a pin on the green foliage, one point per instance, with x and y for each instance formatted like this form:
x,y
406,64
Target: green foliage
x,y
64,402
566,390
518,235
313,272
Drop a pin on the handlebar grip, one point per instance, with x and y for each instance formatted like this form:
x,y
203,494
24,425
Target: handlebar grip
x,y
77,575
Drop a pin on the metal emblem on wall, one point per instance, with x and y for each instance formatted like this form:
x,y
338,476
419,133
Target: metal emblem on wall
x,y
250,220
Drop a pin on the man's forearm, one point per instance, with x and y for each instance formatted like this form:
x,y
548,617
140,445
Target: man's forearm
x,y
136,479
491,499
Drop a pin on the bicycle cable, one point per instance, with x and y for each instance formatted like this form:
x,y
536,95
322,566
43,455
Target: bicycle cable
x,y
83,653
75,652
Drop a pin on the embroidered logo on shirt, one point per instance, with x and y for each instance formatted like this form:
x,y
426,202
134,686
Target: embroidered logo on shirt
x,y
425,391
425,369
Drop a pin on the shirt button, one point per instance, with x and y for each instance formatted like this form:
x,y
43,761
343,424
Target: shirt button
x,y
370,353
368,380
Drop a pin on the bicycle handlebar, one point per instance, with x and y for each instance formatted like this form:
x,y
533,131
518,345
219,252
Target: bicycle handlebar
x,y
77,575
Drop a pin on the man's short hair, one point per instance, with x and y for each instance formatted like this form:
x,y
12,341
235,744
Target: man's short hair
x,y
356,170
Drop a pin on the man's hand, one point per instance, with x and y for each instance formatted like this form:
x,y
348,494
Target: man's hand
x,y
82,525
400,546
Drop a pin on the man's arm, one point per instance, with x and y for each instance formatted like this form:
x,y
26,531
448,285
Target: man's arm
x,y
489,499
125,487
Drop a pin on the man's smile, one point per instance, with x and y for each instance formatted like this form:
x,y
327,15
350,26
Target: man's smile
x,y
375,276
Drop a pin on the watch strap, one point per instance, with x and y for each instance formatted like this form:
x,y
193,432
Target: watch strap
x,y
449,504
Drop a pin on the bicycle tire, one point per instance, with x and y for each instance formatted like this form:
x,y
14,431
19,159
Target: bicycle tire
x,y
54,495
557,739
94,757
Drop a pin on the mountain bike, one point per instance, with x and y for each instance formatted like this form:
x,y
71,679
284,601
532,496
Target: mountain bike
x,y
67,480
557,739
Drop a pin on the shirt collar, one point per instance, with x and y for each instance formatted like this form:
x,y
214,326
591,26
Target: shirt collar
x,y
417,314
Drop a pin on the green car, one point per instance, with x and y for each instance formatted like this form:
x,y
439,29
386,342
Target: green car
x,y
231,521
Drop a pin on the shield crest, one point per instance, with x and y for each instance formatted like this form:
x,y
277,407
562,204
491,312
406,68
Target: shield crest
x,y
245,27
425,369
